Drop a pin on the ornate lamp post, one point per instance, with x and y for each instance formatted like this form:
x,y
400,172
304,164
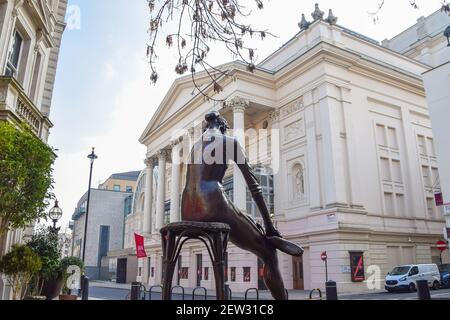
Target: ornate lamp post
x,y
55,214
92,157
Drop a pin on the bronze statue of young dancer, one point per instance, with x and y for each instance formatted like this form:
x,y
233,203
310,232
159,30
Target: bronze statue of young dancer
x,y
204,200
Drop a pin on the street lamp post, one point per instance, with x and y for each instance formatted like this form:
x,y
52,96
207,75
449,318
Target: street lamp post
x,y
92,157
55,214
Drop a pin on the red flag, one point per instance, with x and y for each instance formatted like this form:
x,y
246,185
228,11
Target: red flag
x,y
140,246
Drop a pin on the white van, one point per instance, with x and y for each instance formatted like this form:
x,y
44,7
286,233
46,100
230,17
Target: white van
x,y
405,277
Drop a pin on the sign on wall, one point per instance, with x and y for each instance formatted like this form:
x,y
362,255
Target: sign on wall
x,y
140,246
439,199
357,266
447,209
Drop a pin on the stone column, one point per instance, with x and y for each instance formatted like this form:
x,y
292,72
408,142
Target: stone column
x,y
175,188
161,190
148,196
238,106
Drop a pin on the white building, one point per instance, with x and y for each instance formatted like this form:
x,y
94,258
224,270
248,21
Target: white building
x,y
426,42
351,167
30,39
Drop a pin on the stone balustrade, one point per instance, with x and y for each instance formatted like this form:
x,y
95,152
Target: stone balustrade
x,y
16,106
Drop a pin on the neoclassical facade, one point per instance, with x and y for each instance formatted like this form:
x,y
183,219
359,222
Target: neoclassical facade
x,y
338,131
30,39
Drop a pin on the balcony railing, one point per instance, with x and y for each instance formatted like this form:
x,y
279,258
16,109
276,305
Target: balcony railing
x,y
15,105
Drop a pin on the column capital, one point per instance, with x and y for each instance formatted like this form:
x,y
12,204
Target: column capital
x,y
274,115
176,142
150,161
162,154
237,104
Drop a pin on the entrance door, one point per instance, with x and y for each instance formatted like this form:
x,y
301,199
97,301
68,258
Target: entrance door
x,y
261,283
121,276
297,268
199,269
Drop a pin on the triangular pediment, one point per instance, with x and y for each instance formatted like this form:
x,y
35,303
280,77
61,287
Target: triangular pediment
x,y
179,95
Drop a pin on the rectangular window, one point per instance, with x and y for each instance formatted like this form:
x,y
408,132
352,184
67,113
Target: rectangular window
x,y
153,272
396,171
149,268
426,176
206,276
430,147
389,203
385,170
139,271
381,135
401,204
246,275
422,147
103,246
430,207
233,274
117,188
435,178
184,273
392,138
127,205
167,212
12,65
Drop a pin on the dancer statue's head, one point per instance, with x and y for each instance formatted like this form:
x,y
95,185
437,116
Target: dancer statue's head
x,y
215,121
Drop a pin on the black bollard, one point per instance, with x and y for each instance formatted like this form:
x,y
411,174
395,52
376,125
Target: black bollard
x,y
84,288
135,290
423,290
331,290
227,291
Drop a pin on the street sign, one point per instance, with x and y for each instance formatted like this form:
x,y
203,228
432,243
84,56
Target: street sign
x,y
324,256
441,245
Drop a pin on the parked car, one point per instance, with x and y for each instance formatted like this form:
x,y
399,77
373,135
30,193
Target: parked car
x,y
445,275
405,277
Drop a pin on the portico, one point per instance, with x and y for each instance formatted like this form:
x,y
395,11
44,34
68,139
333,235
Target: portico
x,y
170,159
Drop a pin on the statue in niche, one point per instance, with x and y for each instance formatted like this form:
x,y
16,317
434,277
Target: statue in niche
x,y
204,200
299,182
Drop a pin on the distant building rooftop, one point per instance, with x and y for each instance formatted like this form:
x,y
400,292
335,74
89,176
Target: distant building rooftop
x,y
130,176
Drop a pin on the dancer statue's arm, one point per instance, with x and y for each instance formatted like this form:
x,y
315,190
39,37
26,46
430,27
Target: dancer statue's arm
x,y
241,160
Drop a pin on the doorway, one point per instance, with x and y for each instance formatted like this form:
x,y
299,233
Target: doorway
x,y
297,271
199,269
121,276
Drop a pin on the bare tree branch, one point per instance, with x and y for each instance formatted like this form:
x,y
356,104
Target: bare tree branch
x,y
200,23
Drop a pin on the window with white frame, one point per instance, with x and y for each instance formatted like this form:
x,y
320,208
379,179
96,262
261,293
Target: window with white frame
x,y
391,174
430,172
266,182
12,65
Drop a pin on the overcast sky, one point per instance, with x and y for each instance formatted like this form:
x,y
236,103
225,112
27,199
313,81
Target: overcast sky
x,y
103,96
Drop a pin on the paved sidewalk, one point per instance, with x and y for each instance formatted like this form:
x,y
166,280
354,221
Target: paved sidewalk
x,y
263,295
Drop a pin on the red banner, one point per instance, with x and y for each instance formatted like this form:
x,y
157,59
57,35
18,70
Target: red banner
x,y
140,246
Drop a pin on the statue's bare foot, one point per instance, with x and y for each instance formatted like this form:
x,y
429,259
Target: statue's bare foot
x,y
286,246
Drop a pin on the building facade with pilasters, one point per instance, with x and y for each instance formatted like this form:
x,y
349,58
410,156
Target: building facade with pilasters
x,y
338,132
30,40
